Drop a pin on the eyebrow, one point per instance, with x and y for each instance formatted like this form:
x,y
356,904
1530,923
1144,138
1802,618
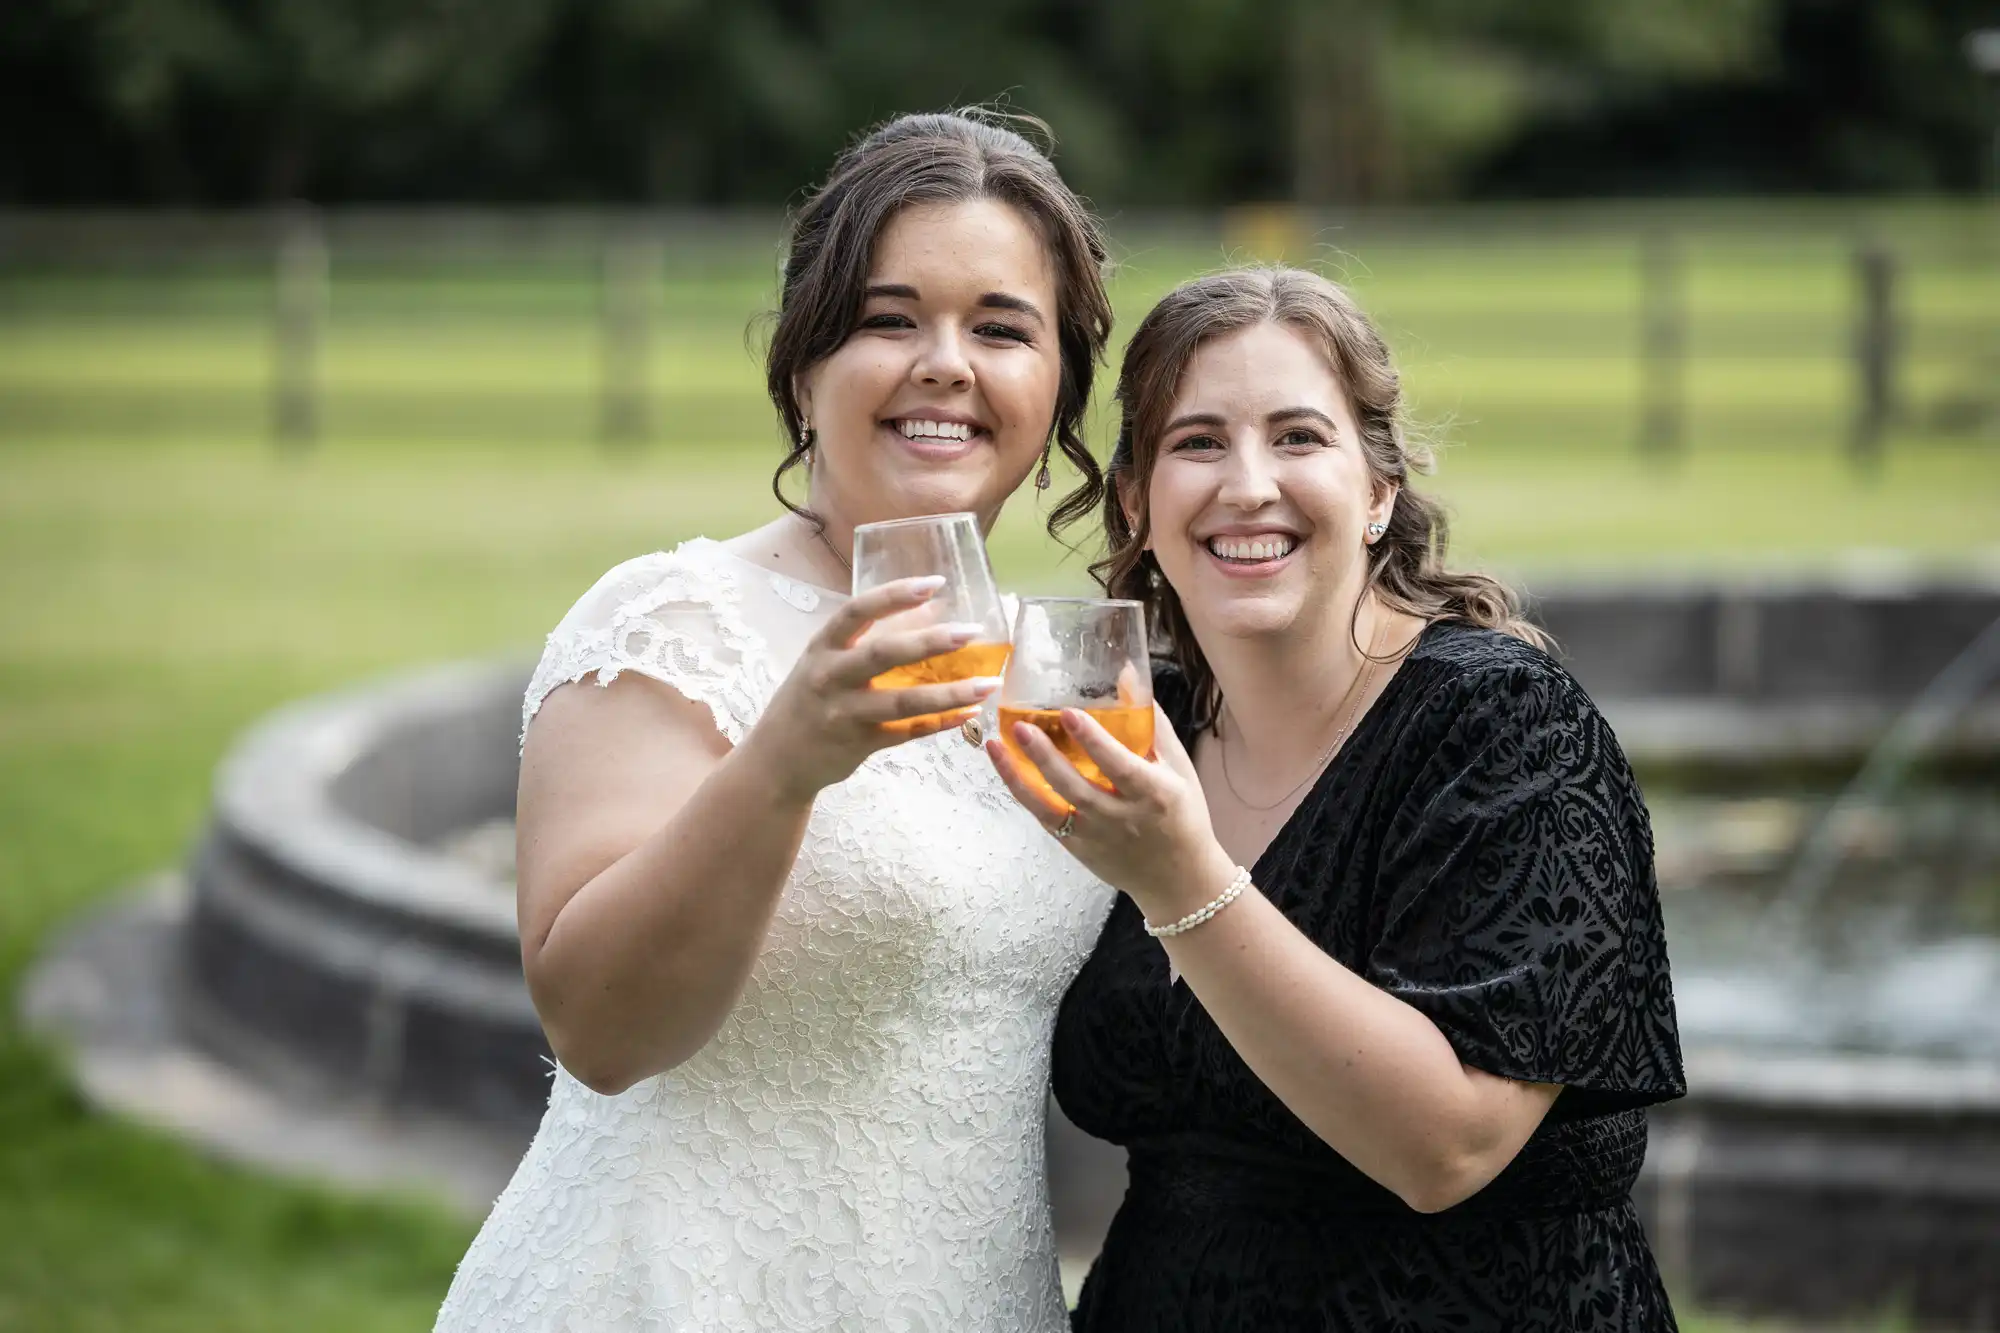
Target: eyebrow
x,y
1007,301
1212,419
1311,413
902,291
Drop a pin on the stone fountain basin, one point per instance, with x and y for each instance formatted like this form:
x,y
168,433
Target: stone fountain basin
x,y
330,927
333,921
339,939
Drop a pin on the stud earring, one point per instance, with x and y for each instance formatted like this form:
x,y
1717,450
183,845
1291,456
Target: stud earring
x,y
1042,477
1375,530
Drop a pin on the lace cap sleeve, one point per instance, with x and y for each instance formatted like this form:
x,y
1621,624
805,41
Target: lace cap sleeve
x,y
1523,916
675,617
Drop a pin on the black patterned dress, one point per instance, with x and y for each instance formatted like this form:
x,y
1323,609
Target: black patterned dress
x,y
1480,850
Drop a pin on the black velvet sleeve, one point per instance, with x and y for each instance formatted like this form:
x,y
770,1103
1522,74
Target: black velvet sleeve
x,y
1522,915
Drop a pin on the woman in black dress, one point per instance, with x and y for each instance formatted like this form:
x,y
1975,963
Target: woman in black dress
x,y
1391,1077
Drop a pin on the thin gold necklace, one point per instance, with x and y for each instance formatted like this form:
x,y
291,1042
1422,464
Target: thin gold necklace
x,y
1350,703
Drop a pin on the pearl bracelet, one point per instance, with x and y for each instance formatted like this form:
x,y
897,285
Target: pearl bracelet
x,y
1202,914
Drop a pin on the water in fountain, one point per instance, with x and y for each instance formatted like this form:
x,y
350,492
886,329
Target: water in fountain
x,y
1883,935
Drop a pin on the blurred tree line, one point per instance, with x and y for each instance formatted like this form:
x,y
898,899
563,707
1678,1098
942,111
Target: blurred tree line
x,y
205,102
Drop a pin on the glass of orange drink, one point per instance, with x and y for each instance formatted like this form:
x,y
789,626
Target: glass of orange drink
x,y
935,544
1084,653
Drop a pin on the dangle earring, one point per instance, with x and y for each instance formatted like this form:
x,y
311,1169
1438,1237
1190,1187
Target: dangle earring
x,y
1042,477
806,440
1375,531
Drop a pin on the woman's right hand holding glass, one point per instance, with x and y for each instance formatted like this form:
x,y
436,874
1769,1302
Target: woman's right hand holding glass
x,y
827,717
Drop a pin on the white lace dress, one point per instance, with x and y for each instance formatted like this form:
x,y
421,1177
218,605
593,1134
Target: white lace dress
x,y
860,1146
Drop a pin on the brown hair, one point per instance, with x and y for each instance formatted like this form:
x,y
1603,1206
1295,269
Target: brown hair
x,y
1406,566
942,157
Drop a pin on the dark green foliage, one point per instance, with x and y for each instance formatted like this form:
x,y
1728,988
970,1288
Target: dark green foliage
x,y
1157,101
1848,96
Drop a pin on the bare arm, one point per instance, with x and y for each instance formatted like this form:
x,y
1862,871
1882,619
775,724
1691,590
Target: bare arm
x,y
1370,1075
652,855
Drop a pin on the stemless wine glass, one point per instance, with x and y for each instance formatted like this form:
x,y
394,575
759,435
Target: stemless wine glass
x,y
947,544
1084,653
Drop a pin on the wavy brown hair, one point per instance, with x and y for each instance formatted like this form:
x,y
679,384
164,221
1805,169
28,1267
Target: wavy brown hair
x,y
940,158
1406,565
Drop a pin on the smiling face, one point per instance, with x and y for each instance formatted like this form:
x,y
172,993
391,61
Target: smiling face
x,y
944,393
1260,495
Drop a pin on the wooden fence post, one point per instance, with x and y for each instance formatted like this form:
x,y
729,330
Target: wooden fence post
x,y
629,280
1875,352
299,309
1663,342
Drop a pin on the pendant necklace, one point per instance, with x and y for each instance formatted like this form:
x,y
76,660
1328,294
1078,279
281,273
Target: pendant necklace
x,y
1350,703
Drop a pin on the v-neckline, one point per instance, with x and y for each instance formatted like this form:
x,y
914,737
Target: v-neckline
x,y
1259,868
1348,747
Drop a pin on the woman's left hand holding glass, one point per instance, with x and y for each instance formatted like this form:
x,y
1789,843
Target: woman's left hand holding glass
x,y
1370,1075
1149,837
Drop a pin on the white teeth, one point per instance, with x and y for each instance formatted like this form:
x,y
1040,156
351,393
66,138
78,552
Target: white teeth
x,y
1252,548
935,430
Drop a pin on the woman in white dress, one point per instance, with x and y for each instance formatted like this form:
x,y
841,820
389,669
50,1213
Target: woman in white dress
x,y
800,972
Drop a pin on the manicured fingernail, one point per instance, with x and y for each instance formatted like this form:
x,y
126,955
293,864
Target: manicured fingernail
x,y
928,583
966,631
985,685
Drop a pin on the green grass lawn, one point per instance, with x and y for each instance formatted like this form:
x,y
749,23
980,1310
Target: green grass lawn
x,y
165,578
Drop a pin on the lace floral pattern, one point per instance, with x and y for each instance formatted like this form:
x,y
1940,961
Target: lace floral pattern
x,y
670,617
860,1146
